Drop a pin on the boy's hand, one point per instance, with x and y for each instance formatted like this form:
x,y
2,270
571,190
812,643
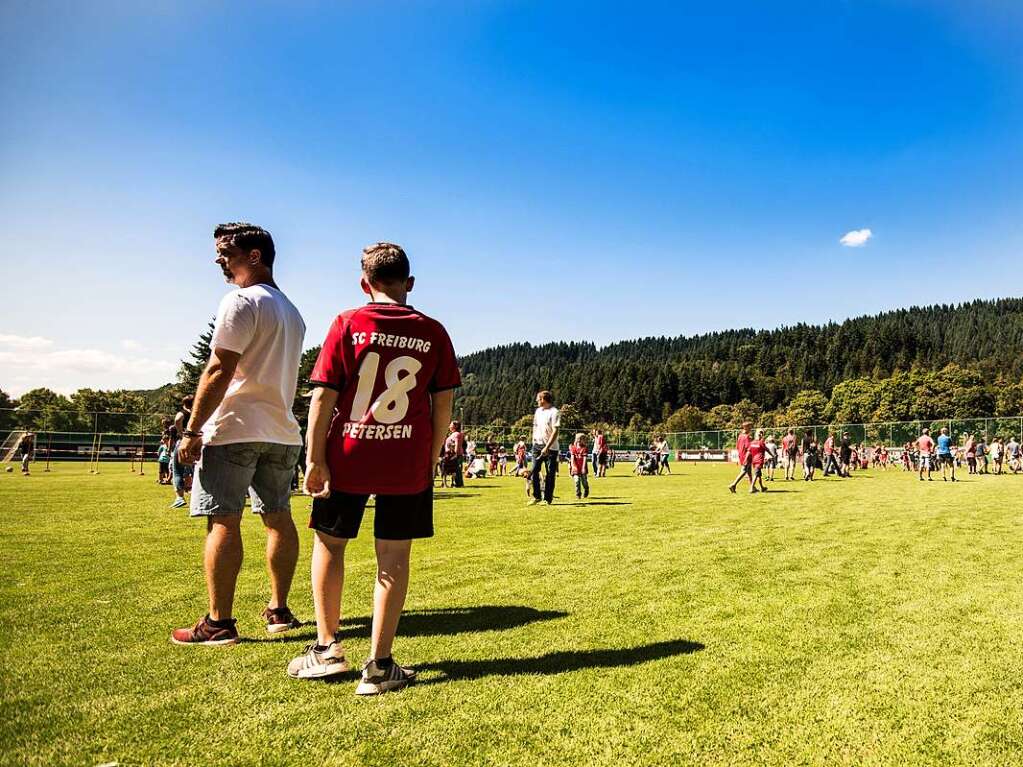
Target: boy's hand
x,y
317,480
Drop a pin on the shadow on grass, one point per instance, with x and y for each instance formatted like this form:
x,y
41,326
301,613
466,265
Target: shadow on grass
x,y
442,621
456,620
558,662
594,503
439,495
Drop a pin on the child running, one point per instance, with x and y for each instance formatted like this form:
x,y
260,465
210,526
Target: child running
x,y
377,423
742,448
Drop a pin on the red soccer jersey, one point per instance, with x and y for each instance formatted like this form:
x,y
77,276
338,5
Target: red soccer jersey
x,y
742,448
757,448
385,360
578,453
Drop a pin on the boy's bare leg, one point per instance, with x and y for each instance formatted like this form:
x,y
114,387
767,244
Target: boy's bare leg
x,y
328,574
389,594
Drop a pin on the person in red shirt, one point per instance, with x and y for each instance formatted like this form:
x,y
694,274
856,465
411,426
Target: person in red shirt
x,y
603,451
454,446
830,464
757,454
577,458
742,448
520,457
925,446
790,450
377,422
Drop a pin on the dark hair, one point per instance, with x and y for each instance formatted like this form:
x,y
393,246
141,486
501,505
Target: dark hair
x,y
385,263
187,400
248,237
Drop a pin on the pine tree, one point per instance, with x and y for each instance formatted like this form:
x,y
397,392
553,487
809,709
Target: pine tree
x,y
190,371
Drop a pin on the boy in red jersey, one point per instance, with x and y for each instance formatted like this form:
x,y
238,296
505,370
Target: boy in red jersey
x,y
577,451
378,419
757,454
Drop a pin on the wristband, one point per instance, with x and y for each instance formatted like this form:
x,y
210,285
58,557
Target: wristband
x,y
190,433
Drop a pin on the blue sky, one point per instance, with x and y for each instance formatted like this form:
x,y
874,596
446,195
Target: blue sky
x,y
555,171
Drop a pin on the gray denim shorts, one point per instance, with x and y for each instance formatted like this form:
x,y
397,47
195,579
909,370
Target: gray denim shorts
x,y
225,474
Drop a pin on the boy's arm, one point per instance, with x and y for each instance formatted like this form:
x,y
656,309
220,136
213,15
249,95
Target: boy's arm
x,y
321,411
441,403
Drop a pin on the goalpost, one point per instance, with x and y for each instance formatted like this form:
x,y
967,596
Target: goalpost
x,y
10,445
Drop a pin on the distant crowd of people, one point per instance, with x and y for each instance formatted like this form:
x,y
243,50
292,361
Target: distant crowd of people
x,y
759,456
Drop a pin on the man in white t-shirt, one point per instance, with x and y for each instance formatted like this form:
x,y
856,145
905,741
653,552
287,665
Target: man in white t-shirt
x,y
546,422
242,434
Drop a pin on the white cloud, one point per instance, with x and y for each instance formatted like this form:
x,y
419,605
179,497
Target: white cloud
x,y
24,342
27,366
857,238
130,345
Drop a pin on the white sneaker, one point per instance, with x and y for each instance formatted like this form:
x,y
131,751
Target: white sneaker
x,y
317,664
178,503
376,680
532,502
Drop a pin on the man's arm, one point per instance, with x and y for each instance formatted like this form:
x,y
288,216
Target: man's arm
x,y
441,403
551,439
321,412
210,393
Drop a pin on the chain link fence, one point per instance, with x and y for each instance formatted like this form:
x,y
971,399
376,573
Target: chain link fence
x,y
74,435
890,434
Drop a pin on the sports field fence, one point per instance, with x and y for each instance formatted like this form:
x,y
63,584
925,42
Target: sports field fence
x,y
66,435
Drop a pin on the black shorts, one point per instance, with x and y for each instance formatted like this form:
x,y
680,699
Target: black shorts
x,y
945,459
397,517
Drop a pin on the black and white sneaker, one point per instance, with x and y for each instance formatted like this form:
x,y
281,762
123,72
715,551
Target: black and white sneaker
x,y
376,680
319,663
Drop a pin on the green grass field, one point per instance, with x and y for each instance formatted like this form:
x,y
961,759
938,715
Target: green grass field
x,y
875,620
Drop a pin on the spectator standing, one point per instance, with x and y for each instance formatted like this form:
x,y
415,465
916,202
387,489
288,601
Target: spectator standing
x,y
385,379
455,446
925,445
546,423
243,433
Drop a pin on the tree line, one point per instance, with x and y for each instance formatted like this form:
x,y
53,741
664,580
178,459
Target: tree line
x,y
943,361
917,363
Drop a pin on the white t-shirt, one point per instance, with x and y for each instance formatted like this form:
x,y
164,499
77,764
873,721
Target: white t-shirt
x,y
261,324
545,421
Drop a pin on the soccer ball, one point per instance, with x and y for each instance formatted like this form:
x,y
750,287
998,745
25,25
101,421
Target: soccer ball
x,y
10,469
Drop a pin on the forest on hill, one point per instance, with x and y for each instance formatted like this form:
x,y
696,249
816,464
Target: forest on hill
x,y
921,362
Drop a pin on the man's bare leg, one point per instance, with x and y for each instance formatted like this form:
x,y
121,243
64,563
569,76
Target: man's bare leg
x,y
389,594
281,555
222,560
